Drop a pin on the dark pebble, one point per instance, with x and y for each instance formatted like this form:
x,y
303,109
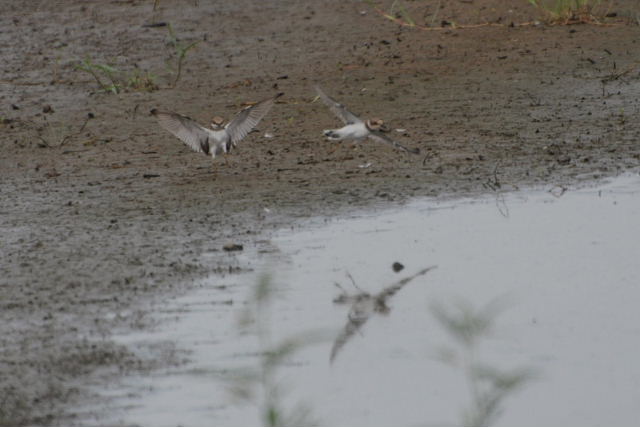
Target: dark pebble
x,y
232,247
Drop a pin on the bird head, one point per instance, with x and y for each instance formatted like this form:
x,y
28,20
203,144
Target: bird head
x,y
217,123
381,307
377,124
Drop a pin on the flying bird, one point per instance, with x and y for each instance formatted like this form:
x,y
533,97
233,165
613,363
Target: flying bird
x,y
363,305
221,138
357,129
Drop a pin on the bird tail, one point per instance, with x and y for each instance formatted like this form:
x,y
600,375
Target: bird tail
x,y
406,149
330,134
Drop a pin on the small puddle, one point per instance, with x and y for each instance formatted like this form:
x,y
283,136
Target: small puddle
x,y
568,265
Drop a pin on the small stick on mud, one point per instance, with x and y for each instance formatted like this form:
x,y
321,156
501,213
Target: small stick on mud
x,y
429,156
65,138
493,184
619,75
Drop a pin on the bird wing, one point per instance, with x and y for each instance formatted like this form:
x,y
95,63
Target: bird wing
x,y
248,118
338,109
186,129
389,291
380,137
357,318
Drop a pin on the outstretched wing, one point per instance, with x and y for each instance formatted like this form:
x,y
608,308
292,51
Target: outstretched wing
x,y
248,118
357,318
338,109
380,137
186,129
389,291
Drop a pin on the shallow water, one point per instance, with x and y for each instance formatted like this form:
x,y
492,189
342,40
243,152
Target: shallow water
x,y
567,267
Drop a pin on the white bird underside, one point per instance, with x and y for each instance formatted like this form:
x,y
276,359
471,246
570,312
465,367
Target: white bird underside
x,y
209,141
355,128
355,131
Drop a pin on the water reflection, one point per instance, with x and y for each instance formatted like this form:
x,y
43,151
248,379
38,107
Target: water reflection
x,y
363,305
569,264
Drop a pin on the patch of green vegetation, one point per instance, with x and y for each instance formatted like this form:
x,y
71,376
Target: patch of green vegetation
x,y
100,72
259,384
397,11
566,11
488,385
180,51
111,80
142,81
400,11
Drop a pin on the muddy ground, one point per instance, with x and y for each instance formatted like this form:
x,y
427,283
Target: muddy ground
x,y
103,212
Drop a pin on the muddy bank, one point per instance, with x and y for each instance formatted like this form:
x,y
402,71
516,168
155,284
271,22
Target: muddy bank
x,y
99,218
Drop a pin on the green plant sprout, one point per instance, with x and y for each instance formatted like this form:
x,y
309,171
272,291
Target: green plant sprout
x,y
402,11
100,70
567,10
142,81
115,81
489,386
259,384
181,50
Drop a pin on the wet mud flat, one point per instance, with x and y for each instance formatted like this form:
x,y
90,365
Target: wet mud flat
x,y
103,214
